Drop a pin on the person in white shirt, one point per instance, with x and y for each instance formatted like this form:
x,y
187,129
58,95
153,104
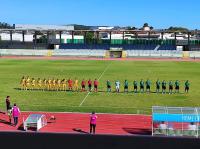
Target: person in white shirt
x,y
163,126
117,85
192,126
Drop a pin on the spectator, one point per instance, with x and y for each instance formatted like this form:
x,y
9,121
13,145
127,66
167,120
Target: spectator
x,y
8,103
192,126
93,121
15,114
9,108
163,128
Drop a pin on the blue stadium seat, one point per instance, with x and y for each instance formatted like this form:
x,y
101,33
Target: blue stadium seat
x,y
108,46
167,47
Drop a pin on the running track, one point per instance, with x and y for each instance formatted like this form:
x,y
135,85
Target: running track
x,y
103,59
116,124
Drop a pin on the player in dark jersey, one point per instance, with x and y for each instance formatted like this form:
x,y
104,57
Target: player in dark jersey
x,y
170,87
135,86
141,86
187,86
177,86
157,86
108,86
126,86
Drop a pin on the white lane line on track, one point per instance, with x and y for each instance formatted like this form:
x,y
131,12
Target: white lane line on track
x,y
92,88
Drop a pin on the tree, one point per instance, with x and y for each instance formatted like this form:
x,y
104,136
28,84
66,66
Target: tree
x,y
4,25
177,29
146,25
89,37
151,28
131,28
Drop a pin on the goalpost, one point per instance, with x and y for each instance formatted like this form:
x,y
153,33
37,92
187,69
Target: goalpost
x,y
116,53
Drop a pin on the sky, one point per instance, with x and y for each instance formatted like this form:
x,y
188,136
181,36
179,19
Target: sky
x,y
158,13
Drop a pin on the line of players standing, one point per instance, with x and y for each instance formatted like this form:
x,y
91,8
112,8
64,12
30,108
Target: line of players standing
x,y
61,85
160,86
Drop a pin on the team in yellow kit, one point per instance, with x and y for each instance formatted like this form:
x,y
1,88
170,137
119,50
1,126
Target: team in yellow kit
x,y
27,83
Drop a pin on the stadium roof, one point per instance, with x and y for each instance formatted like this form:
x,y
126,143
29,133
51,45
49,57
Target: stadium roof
x,y
43,27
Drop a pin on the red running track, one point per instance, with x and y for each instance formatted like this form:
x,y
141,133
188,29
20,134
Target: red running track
x,y
116,124
102,59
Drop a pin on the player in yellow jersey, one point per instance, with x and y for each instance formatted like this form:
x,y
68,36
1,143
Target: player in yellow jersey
x,y
64,84
39,84
58,84
28,81
33,84
49,84
53,84
76,84
23,83
44,84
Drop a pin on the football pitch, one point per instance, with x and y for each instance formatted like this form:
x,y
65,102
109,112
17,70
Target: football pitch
x,y
11,72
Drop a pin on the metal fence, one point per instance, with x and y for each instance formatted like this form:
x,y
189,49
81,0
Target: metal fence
x,y
176,121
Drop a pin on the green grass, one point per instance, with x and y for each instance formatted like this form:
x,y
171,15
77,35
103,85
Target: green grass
x,y
11,72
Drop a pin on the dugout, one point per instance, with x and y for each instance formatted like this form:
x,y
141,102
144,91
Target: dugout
x,y
116,53
176,121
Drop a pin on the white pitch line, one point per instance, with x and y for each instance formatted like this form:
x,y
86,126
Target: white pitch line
x,y
92,88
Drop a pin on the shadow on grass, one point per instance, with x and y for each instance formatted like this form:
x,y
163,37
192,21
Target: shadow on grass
x,y
101,91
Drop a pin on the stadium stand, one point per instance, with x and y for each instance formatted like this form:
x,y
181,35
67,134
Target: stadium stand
x,y
153,53
21,45
79,52
167,47
195,47
108,46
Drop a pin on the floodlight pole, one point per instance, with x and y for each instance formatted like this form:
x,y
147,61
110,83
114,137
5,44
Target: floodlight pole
x,y
23,39
149,33
110,37
162,35
11,38
175,38
35,41
85,34
73,37
47,37
123,34
188,38
60,36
